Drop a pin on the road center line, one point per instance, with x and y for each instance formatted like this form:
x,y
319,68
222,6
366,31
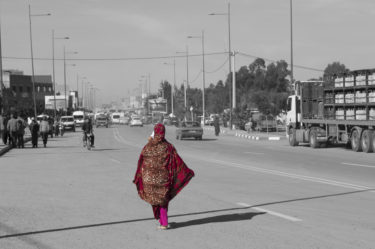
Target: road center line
x,y
359,165
290,175
114,160
255,153
280,215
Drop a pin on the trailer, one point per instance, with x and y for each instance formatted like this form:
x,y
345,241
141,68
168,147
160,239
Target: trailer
x,y
338,110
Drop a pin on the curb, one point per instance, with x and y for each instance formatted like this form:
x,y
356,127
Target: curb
x,y
8,147
273,138
247,136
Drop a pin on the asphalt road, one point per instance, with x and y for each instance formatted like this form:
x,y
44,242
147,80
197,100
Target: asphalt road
x,y
246,194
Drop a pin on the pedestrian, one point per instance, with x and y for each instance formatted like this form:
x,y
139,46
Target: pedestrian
x,y
2,128
161,174
21,125
6,136
44,130
216,125
12,129
34,130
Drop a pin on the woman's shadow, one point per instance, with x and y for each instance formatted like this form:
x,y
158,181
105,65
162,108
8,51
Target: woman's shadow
x,y
219,218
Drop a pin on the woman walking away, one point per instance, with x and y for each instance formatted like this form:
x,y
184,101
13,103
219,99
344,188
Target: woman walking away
x,y
161,174
34,130
44,130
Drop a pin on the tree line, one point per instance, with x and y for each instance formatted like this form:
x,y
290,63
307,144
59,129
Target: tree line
x,y
258,86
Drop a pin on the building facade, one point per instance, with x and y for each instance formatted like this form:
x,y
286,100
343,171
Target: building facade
x,y
18,93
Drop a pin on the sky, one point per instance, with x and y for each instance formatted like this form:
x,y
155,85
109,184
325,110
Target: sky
x,y
122,42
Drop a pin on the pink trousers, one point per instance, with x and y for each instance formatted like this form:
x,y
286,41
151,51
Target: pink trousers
x,y
163,217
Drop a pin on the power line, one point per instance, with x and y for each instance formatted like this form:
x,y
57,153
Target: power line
x,y
160,58
220,67
117,59
197,77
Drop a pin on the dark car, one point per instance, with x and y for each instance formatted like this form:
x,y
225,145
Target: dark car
x,y
189,129
101,121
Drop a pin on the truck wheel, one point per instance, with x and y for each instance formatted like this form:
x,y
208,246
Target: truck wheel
x,y
313,140
292,137
356,141
366,141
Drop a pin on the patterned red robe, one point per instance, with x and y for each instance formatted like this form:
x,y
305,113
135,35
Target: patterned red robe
x,y
161,173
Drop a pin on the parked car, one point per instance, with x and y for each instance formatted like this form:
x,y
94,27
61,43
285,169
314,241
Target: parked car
x,y
188,129
101,121
136,121
68,122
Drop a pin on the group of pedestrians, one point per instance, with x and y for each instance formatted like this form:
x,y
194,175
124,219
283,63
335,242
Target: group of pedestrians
x,y
12,130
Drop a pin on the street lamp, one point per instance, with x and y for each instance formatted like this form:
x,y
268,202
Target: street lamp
x,y
1,76
204,75
32,57
230,65
82,78
291,42
174,81
187,72
53,66
65,52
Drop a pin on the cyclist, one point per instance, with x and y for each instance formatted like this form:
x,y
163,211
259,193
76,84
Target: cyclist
x,y
87,129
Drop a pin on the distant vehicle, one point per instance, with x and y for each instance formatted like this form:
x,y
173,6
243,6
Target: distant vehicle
x,y
264,122
68,123
188,129
79,118
40,118
116,116
124,120
101,120
136,121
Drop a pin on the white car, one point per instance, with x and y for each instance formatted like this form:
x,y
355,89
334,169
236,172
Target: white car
x,y
68,122
136,121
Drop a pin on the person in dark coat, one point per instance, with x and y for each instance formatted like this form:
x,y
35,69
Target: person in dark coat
x,y
217,126
34,130
21,125
6,136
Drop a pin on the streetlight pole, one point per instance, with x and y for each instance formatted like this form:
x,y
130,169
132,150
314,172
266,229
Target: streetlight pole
x,y
230,67
32,58
174,83
53,66
291,42
1,76
187,73
204,75
65,74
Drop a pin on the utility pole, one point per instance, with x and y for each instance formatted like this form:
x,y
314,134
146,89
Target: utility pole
x,y
1,76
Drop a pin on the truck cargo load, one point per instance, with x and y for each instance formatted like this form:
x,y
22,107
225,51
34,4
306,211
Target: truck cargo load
x,y
338,110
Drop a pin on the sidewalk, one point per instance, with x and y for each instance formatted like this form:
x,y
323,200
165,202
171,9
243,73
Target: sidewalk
x,y
249,135
5,148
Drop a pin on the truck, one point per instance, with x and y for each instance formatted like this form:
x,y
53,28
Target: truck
x,y
340,109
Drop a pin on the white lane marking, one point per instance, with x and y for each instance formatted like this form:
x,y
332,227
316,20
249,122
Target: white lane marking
x,y
255,153
295,176
359,165
280,215
114,160
120,139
